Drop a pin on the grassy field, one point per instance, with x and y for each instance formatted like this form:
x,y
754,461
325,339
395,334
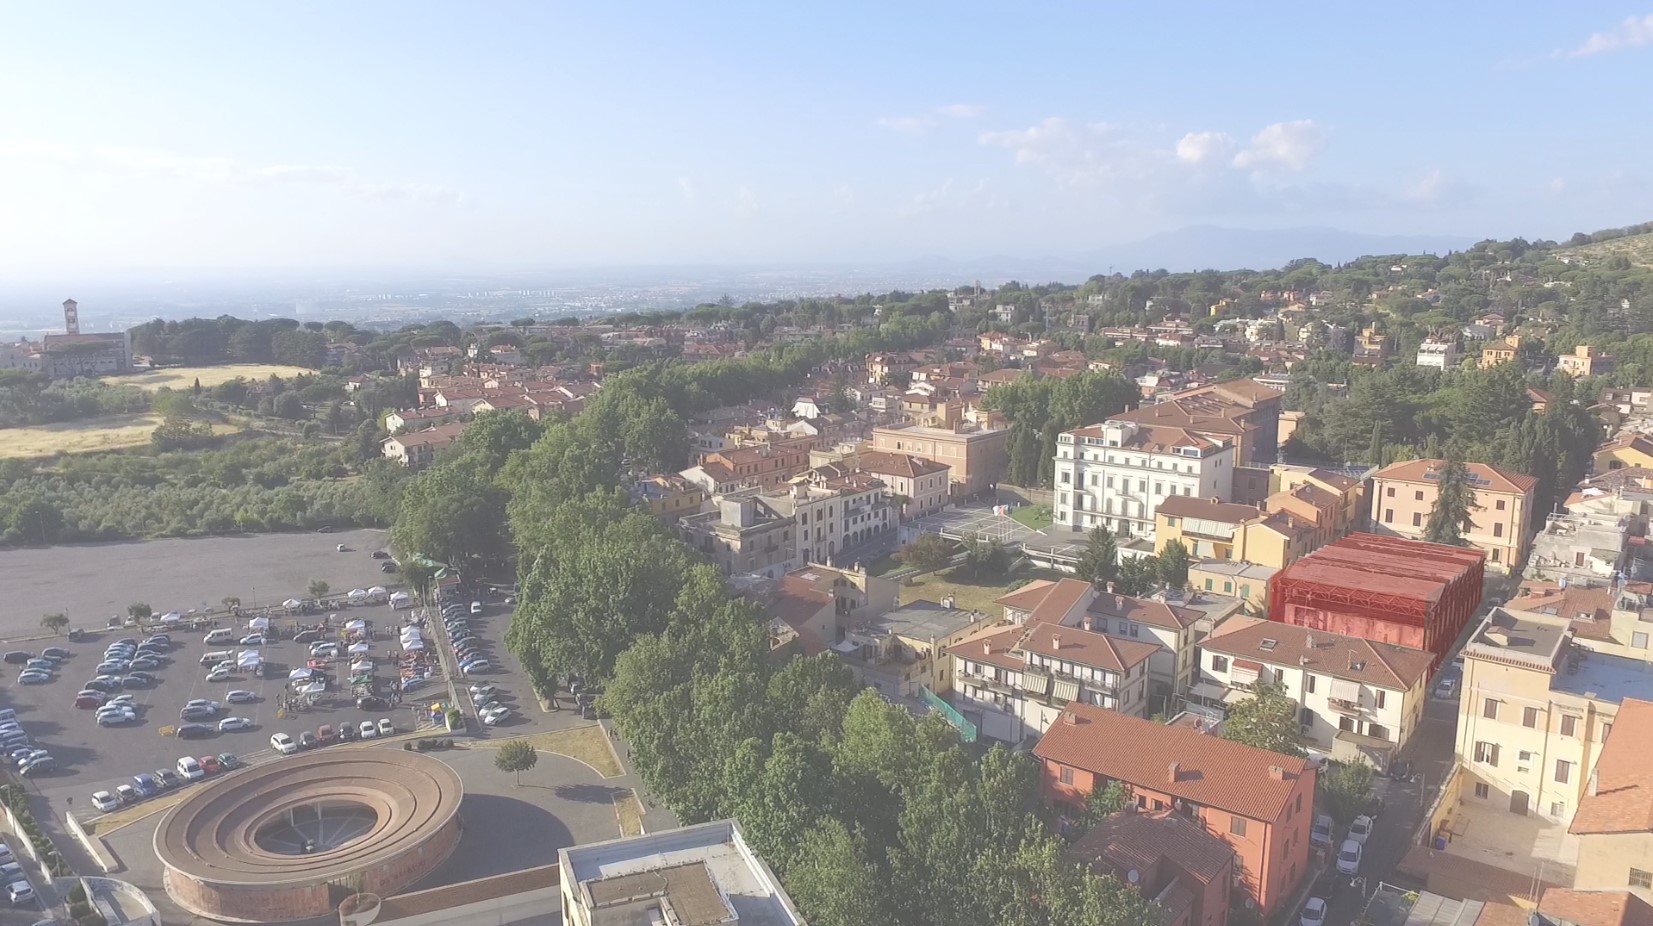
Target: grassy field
x,y
89,435
967,595
1638,248
1035,516
185,377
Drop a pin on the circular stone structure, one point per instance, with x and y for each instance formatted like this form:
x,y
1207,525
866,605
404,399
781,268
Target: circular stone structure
x,y
290,838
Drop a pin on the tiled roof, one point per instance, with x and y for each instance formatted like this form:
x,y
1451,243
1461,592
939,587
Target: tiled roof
x,y
1144,611
1383,665
1589,609
1152,438
1596,908
904,465
1497,480
996,647
1085,647
1209,509
1129,840
1212,772
1620,799
1059,600
1028,596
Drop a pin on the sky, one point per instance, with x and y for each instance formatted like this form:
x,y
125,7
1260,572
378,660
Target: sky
x,y
544,135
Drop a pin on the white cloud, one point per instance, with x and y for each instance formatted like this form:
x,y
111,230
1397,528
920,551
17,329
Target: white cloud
x,y
1078,154
1287,145
961,110
149,162
1204,147
1634,32
687,187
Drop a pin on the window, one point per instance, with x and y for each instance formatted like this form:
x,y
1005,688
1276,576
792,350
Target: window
x,y
1489,710
1529,717
1500,504
1209,585
1067,478
1389,516
1569,725
1299,802
1638,640
1418,495
1558,808
1639,878
1219,663
1170,522
1417,519
1308,685
1066,775
1389,491
1377,698
1486,752
1481,790
1236,825
1563,771
1498,529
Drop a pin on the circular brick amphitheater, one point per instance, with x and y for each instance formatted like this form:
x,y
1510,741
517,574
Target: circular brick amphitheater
x,y
290,838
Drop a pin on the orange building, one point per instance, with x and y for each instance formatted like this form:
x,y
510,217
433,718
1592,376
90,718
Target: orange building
x,y
1260,803
766,465
1166,856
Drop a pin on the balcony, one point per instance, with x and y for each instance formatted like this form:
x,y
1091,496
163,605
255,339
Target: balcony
x,y
1344,706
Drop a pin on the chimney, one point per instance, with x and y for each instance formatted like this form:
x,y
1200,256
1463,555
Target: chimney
x,y
1171,772
1277,773
986,648
1056,641
1593,774
1069,717
1110,588
1089,623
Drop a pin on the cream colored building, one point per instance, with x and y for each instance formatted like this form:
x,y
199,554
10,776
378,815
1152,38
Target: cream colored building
x,y
975,456
1115,474
1614,822
1358,700
1403,494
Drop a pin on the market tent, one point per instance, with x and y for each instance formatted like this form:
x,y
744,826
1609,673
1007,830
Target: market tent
x,y
365,665
378,590
413,646
357,649
259,623
297,674
358,593
291,603
357,624
249,660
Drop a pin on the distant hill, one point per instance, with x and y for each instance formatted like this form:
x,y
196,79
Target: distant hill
x,y
1638,248
1202,247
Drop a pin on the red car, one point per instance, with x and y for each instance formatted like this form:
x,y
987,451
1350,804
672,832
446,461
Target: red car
x,y
317,664
89,701
325,735
210,765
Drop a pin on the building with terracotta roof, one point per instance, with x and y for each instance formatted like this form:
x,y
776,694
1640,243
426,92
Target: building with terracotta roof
x,y
418,449
1629,449
1210,529
668,496
814,602
903,650
921,485
1245,582
1115,474
1170,624
1250,411
1260,803
1168,857
1013,681
767,465
1606,618
1560,906
1349,491
835,513
976,457
1407,592
1584,361
1356,700
1614,822
744,536
1403,495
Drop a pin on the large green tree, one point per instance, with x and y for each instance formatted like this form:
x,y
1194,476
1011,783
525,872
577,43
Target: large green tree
x,y
1266,720
1451,515
1099,563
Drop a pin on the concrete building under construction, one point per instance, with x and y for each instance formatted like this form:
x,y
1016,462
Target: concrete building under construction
x,y
1385,589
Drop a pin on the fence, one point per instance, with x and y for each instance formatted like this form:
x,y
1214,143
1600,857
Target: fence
x,y
967,730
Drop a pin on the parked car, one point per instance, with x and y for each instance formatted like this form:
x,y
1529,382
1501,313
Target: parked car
x,y
1321,833
307,740
368,730
17,657
307,636
47,665
55,652
228,761
20,893
138,680
222,672
232,724
146,663
105,683
167,778
33,678
325,735
210,765
193,731
241,696
283,744
146,784
1348,858
1361,829
1314,912
372,703
37,766
87,700
476,607
117,719
386,728
127,794
105,801
492,716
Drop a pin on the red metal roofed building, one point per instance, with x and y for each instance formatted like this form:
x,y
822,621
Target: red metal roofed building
x,y
1385,589
1260,803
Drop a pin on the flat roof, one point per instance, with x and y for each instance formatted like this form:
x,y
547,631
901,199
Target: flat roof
x,y
1545,645
926,619
685,865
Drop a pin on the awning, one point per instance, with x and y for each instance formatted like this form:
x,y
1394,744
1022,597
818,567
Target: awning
x,y
1210,691
356,625
1037,683
846,647
259,623
1235,695
1345,690
1065,690
1248,664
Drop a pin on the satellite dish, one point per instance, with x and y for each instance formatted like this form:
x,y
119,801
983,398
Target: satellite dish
x,y
1133,876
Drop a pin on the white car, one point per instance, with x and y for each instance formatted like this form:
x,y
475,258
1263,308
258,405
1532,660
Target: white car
x,y
240,696
493,716
367,730
105,800
220,673
231,724
324,650
1314,912
283,744
20,893
128,700
189,768
1348,858
1361,829
386,728
253,639
116,720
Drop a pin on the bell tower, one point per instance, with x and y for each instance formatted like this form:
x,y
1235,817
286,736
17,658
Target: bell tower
x,y
71,316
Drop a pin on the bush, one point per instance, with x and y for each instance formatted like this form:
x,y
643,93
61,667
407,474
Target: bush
x,y
77,894
79,909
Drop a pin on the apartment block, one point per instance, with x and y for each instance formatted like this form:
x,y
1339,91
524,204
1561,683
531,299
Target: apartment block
x,y
1403,495
975,456
1116,474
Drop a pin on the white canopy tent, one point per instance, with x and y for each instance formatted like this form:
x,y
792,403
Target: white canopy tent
x,y
259,623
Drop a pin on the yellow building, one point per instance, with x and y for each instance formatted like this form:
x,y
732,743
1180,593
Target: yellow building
x,y
1501,351
1349,491
669,497
1614,822
1211,529
1245,581
1624,452
1403,494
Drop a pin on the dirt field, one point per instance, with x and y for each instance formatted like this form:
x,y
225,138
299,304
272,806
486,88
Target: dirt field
x,y
184,377
89,435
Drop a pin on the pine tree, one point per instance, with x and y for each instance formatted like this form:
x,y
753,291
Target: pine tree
x,y
1099,564
1454,500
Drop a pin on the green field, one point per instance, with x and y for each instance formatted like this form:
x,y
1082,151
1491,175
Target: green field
x,y
88,435
185,377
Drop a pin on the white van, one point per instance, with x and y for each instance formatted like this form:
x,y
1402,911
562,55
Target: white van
x,y
221,635
216,656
